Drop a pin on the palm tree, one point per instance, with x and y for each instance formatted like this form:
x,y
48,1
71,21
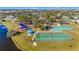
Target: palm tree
x,y
21,17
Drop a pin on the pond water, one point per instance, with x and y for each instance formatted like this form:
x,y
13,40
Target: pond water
x,y
6,44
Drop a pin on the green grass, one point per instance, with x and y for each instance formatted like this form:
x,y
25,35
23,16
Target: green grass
x,y
21,42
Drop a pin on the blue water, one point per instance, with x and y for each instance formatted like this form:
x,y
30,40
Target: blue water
x,y
61,28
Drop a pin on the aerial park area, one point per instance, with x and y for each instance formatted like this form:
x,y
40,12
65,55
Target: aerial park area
x,y
40,29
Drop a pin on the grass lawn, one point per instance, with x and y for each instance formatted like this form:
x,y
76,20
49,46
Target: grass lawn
x,y
23,42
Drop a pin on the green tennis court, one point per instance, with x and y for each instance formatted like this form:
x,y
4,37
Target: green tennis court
x,y
55,36
61,28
